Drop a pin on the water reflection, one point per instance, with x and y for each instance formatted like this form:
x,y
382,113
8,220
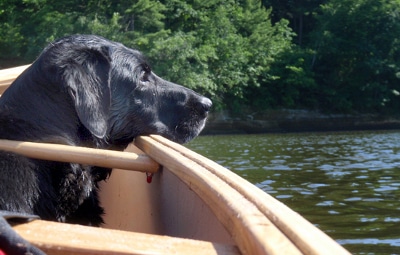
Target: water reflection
x,y
345,183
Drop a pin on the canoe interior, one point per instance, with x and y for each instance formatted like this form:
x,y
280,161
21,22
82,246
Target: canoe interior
x,y
166,206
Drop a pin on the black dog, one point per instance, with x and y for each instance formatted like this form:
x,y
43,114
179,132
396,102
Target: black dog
x,y
88,91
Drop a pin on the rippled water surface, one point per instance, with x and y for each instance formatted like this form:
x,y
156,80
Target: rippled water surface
x,y
348,184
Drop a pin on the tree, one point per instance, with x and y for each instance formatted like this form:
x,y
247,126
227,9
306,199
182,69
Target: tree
x,y
345,59
219,47
357,63
290,83
11,39
301,15
223,47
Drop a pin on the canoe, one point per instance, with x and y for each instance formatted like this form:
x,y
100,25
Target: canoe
x,y
192,205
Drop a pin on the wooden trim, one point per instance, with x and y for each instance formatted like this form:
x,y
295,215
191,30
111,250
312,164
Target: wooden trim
x,y
82,155
7,76
252,232
65,239
308,238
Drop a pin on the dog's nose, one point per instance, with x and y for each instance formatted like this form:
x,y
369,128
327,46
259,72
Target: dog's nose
x,y
205,104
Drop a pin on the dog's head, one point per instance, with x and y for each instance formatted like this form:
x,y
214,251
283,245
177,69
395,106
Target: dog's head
x,y
117,96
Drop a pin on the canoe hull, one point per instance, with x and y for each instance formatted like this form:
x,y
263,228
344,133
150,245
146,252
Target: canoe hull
x,y
165,207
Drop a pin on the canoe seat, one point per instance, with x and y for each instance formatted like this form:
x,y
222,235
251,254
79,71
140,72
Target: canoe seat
x,y
62,238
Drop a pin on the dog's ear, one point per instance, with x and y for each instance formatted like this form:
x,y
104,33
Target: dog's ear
x,y
87,77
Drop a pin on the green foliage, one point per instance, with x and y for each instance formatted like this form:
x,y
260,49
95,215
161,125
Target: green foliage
x,y
220,48
301,14
358,55
329,55
11,39
290,77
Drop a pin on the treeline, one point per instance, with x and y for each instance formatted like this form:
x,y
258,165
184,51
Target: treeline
x,y
326,55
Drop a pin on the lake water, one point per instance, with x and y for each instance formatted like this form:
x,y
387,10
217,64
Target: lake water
x,y
347,184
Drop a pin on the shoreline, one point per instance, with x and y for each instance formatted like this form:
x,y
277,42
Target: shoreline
x,y
292,121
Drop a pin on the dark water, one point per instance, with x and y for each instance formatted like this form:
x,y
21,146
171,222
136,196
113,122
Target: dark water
x,y
347,184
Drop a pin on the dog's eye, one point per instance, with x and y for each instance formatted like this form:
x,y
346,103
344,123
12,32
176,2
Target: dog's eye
x,y
146,68
144,76
146,71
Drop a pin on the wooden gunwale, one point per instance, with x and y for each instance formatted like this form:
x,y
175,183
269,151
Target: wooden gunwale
x,y
304,234
7,76
306,237
251,230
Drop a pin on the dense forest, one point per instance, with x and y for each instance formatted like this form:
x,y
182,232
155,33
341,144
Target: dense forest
x,y
337,56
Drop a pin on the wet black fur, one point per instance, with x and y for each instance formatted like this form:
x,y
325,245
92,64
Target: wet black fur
x,y
85,90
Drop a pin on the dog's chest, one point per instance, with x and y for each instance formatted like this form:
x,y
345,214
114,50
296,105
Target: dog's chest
x,y
74,186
